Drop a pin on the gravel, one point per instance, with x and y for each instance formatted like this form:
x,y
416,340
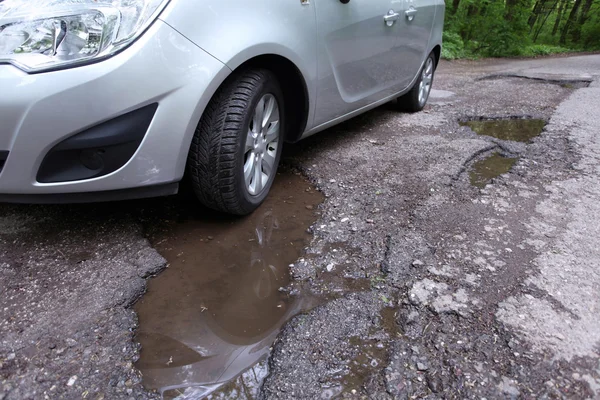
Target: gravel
x,y
433,288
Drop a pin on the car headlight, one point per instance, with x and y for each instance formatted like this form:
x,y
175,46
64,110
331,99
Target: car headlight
x,y
38,35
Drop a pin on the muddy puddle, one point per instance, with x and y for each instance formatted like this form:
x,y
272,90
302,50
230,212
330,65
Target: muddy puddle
x,y
348,380
207,322
371,355
519,130
483,171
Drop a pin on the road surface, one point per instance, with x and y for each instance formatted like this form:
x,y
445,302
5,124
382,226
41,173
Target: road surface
x,y
433,288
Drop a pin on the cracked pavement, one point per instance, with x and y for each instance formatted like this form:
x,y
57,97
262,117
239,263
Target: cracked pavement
x,y
434,288
493,292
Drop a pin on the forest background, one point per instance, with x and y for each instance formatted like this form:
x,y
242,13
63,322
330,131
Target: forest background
x,y
520,28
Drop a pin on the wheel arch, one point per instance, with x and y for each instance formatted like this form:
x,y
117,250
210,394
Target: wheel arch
x,y
292,80
437,51
293,85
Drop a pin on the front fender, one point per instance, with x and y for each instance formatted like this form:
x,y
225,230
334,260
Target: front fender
x,y
235,31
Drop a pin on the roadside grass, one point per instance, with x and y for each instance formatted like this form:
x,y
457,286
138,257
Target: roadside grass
x,y
454,48
536,50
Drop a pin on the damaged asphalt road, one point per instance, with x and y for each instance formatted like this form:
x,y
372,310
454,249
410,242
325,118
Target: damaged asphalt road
x,y
435,288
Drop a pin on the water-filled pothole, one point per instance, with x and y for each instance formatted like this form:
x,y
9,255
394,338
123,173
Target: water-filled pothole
x,y
483,171
515,129
216,310
371,356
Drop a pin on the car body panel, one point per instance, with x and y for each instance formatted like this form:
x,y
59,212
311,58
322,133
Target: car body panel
x,y
78,98
186,55
414,35
415,40
356,56
235,31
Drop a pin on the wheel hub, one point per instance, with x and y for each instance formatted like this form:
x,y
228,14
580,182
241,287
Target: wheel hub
x,y
261,145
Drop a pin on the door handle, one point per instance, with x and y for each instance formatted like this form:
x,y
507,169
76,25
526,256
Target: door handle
x,y
410,13
391,17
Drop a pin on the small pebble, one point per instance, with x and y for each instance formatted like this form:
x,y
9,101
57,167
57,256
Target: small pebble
x,y
422,366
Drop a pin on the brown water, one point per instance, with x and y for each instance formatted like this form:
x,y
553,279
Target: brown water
x,y
216,310
483,171
519,130
371,356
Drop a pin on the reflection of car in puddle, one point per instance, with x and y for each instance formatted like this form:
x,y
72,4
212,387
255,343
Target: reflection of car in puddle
x,y
221,325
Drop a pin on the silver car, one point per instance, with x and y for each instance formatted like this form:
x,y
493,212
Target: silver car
x,y
120,99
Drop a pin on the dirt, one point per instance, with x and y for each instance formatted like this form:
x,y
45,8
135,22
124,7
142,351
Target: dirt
x,y
445,255
68,276
454,291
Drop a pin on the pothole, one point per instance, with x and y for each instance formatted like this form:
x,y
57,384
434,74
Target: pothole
x,y
483,171
515,129
568,81
388,320
371,356
216,310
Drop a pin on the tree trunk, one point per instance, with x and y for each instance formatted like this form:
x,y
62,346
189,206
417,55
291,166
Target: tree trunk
x,y
572,18
534,14
455,4
581,20
561,9
472,10
584,12
467,30
511,9
544,21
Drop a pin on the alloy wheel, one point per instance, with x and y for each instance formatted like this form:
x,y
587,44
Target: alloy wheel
x,y
261,146
426,80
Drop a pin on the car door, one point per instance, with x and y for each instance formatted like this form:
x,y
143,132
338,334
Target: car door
x,y
414,31
357,55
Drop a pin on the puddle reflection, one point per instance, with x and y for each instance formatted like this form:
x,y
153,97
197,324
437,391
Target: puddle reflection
x,y
516,129
216,310
485,170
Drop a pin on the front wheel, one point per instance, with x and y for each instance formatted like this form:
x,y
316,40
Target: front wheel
x,y
236,149
416,98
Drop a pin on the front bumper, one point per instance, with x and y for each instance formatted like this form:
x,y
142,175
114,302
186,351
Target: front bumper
x,y
39,111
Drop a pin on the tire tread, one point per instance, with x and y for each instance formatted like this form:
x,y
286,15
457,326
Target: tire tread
x,y
212,157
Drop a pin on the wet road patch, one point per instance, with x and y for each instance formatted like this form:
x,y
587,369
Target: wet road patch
x,y
515,129
371,357
483,171
216,310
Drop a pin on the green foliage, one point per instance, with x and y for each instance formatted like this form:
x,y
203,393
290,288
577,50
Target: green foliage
x,y
536,50
590,32
525,28
453,47
376,280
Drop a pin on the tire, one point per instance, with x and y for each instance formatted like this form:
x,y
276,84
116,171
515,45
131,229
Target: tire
x,y
228,143
416,98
